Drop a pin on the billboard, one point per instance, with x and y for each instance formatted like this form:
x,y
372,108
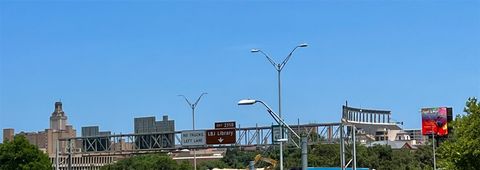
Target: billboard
x,y
435,120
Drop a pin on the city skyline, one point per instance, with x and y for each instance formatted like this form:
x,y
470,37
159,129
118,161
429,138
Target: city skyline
x,y
111,62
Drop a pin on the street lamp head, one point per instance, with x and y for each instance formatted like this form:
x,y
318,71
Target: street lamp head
x,y
303,45
246,102
254,50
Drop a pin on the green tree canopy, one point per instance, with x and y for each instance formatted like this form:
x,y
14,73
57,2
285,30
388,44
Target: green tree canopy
x,y
148,162
234,158
328,155
462,149
323,155
424,156
20,154
206,165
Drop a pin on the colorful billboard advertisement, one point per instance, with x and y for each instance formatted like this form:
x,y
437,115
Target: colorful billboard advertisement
x,y
434,120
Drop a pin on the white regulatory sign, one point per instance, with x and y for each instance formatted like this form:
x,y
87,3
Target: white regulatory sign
x,y
192,138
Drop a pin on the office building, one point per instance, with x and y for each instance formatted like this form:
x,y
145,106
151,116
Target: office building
x,y
80,162
165,125
145,125
8,134
416,134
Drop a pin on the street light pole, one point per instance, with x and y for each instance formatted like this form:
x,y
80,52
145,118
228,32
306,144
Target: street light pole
x,y
281,123
193,106
279,68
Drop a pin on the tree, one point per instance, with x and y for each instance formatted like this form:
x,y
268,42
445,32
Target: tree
x,y
404,159
328,155
234,158
20,154
462,149
150,161
424,156
377,157
184,165
292,157
324,155
384,157
206,165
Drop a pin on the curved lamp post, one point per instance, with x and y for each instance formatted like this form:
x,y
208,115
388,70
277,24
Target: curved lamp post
x,y
280,122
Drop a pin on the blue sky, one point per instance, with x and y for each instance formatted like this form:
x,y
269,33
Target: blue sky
x,y
112,61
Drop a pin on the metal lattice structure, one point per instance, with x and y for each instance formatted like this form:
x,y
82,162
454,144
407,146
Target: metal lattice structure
x,y
126,144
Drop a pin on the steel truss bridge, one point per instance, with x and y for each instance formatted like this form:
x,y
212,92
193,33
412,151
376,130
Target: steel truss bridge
x,y
111,147
126,144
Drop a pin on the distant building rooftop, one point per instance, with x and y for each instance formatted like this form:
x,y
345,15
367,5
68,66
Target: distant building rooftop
x,y
394,144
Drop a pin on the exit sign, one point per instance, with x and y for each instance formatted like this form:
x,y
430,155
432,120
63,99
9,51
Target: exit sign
x,y
225,125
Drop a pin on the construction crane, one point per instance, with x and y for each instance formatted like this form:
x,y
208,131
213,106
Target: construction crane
x,y
272,162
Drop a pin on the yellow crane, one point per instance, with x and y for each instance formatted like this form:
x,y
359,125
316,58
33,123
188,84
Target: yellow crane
x,y
272,162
